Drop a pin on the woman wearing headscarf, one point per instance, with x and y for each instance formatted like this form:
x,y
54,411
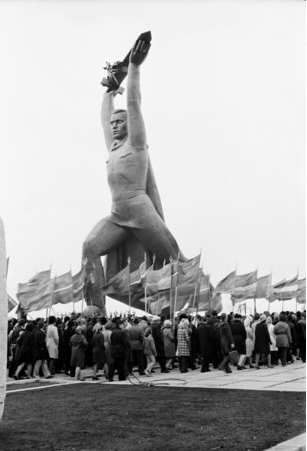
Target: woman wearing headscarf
x,y
249,342
78,345
262,342
99,356
273,347
169,344
183,344
283,338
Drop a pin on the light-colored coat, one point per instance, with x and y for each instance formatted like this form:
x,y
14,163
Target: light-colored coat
x,y
52,341
249,341
273,346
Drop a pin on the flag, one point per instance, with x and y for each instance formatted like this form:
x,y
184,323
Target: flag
x,y
11,303
138,278
188,275
301,291
245,287
63,289
35,296
118,284
159,279
78,285
285,290
227,284
39,277
159,303
263,287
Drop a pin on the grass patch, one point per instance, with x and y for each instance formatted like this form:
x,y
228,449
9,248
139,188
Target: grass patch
x,y
105,417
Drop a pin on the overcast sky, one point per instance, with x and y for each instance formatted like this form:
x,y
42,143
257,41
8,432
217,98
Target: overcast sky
x,y
223,97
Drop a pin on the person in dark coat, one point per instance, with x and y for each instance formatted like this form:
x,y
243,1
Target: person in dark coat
x,y
14,335
120,347
301,336
40,351
25,354
78,345
239,335
213,322
136,336
291,351
206,344
99,356
159,343
262,342
226,342
283,338
67,334
60,361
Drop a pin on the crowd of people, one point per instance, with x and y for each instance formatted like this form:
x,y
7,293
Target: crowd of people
x,y
118,345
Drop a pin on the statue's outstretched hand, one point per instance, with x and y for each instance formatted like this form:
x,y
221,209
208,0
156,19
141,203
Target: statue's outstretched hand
x,y
139,52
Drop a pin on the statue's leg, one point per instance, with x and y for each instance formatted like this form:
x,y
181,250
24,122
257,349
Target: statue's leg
x,y
158,240
100,241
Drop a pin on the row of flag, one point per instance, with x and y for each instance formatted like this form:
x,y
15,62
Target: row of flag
x,y
249,286
177,286
42,291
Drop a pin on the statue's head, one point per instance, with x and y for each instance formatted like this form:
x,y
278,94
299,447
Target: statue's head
x,y
119,124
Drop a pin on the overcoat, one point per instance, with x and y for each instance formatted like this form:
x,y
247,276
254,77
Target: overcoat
x,y
206,340
40,348
169,342
25,353
283,335
78,345
225,337
158,338
183,342
239,335
99,356
52,341
262,339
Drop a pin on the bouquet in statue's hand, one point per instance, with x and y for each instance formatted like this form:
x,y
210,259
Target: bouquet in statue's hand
x,y
117,72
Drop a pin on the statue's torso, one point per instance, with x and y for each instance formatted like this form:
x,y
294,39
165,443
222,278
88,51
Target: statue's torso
x,y
127,170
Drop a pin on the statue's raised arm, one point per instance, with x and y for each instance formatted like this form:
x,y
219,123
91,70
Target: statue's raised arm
x,y
135,122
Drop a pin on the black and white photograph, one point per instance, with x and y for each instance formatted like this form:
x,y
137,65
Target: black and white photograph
x,y
153,225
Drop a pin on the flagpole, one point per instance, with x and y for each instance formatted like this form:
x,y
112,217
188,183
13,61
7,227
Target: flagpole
x,y
270,293
198,288
175,303
209,293
145,282
171,289
234,289
129,290
195,290
296,292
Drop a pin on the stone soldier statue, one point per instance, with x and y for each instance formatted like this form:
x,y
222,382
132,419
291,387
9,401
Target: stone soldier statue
x,y
136,224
